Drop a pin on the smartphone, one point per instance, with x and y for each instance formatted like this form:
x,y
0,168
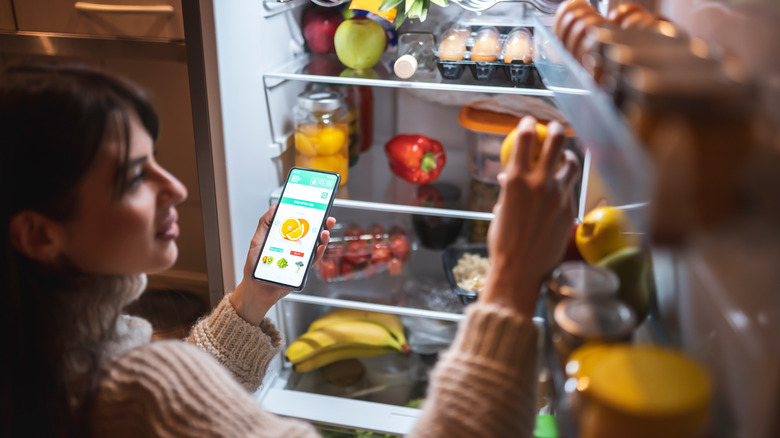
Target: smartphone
x,y
289,247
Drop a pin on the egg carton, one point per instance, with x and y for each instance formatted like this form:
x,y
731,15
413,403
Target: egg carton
x,y
517,72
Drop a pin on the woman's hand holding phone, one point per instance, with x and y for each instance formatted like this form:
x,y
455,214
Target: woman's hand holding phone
x,y
252,299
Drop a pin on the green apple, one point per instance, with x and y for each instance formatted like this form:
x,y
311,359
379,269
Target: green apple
x,y
359,42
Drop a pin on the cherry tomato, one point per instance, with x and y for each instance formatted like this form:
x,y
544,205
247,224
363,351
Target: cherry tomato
x,y
356,252
395,266
380,254
353,230
328,269
399,246
347,270
395,230
377,231
335,250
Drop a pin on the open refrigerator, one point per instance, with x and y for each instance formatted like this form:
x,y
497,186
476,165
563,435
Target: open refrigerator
x,y
248,64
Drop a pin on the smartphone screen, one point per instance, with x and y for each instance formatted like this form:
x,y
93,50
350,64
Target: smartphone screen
x,y
289,247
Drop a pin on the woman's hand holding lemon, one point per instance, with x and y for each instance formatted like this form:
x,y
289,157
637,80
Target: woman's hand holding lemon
x,y
533,217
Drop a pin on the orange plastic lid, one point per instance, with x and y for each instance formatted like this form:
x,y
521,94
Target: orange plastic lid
x,y
487,121
493,122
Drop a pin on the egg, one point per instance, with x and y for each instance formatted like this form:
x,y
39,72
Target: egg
x,y
487,46
564,9
577,33
452,46
617,15
518,46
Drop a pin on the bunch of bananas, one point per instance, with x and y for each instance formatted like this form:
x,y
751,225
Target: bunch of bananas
x,y
347,334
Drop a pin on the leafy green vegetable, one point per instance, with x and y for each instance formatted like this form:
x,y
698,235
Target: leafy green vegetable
x,y
411,9
386,5
282,263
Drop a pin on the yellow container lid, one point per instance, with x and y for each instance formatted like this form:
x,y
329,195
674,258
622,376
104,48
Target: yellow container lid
x,y
492,122
487,121
649,381
582,360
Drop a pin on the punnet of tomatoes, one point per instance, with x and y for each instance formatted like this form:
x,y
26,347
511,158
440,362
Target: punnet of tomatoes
x,y
356,251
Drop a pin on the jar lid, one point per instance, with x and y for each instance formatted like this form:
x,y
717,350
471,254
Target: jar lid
x,y
651,381
320,100
595,319
582,360
582,280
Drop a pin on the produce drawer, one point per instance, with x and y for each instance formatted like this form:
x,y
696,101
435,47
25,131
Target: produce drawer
x,y
6,16
157,19
385,398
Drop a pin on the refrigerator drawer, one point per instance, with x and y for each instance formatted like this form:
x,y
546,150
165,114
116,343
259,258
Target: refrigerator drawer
x,y
158,19
358,414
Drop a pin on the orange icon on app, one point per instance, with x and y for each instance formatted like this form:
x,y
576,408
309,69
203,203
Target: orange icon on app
x,y
294,228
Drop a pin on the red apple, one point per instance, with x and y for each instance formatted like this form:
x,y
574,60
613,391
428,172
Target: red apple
x,y
319,28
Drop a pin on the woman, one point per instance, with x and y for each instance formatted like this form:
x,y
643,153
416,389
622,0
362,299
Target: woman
x,y
87,211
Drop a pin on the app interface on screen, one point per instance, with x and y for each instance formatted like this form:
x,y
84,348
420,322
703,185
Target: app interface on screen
x,y
291,239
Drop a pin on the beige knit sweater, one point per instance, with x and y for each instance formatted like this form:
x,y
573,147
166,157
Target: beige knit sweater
x,y
484,386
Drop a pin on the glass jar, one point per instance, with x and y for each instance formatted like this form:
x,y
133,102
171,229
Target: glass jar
x,y
642,392
582,280
698,126
322,132
578,321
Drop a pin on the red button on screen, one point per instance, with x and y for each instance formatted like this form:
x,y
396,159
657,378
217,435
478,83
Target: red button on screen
x,y
296,253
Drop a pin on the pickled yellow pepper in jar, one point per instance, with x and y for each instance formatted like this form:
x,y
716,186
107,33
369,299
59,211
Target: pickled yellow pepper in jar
x,y
322,133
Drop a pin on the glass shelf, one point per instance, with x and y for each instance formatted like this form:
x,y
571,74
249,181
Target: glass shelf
x,y
372,186
328,69
615,151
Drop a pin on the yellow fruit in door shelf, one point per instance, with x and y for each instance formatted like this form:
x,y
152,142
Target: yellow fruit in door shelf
x,y
603,231
511,139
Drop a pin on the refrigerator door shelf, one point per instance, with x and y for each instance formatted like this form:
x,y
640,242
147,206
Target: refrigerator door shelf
x,y
617,158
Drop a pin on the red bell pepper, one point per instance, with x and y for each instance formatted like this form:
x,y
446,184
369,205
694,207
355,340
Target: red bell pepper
x,y
415,158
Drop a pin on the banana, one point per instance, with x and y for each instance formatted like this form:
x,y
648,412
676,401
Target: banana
x,y
344,334
336,354
390,322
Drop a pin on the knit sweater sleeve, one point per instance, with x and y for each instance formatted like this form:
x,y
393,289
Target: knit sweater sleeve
x,y
485,384
172,389
239,346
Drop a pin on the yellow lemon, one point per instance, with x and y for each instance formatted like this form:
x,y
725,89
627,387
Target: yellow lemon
x,y
330,139
603,231
303,145
511,139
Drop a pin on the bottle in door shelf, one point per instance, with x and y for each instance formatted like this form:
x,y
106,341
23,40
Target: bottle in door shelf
x,y
322,132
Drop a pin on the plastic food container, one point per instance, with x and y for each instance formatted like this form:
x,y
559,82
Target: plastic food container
x,y
483,50
360,252
450,258
485,131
